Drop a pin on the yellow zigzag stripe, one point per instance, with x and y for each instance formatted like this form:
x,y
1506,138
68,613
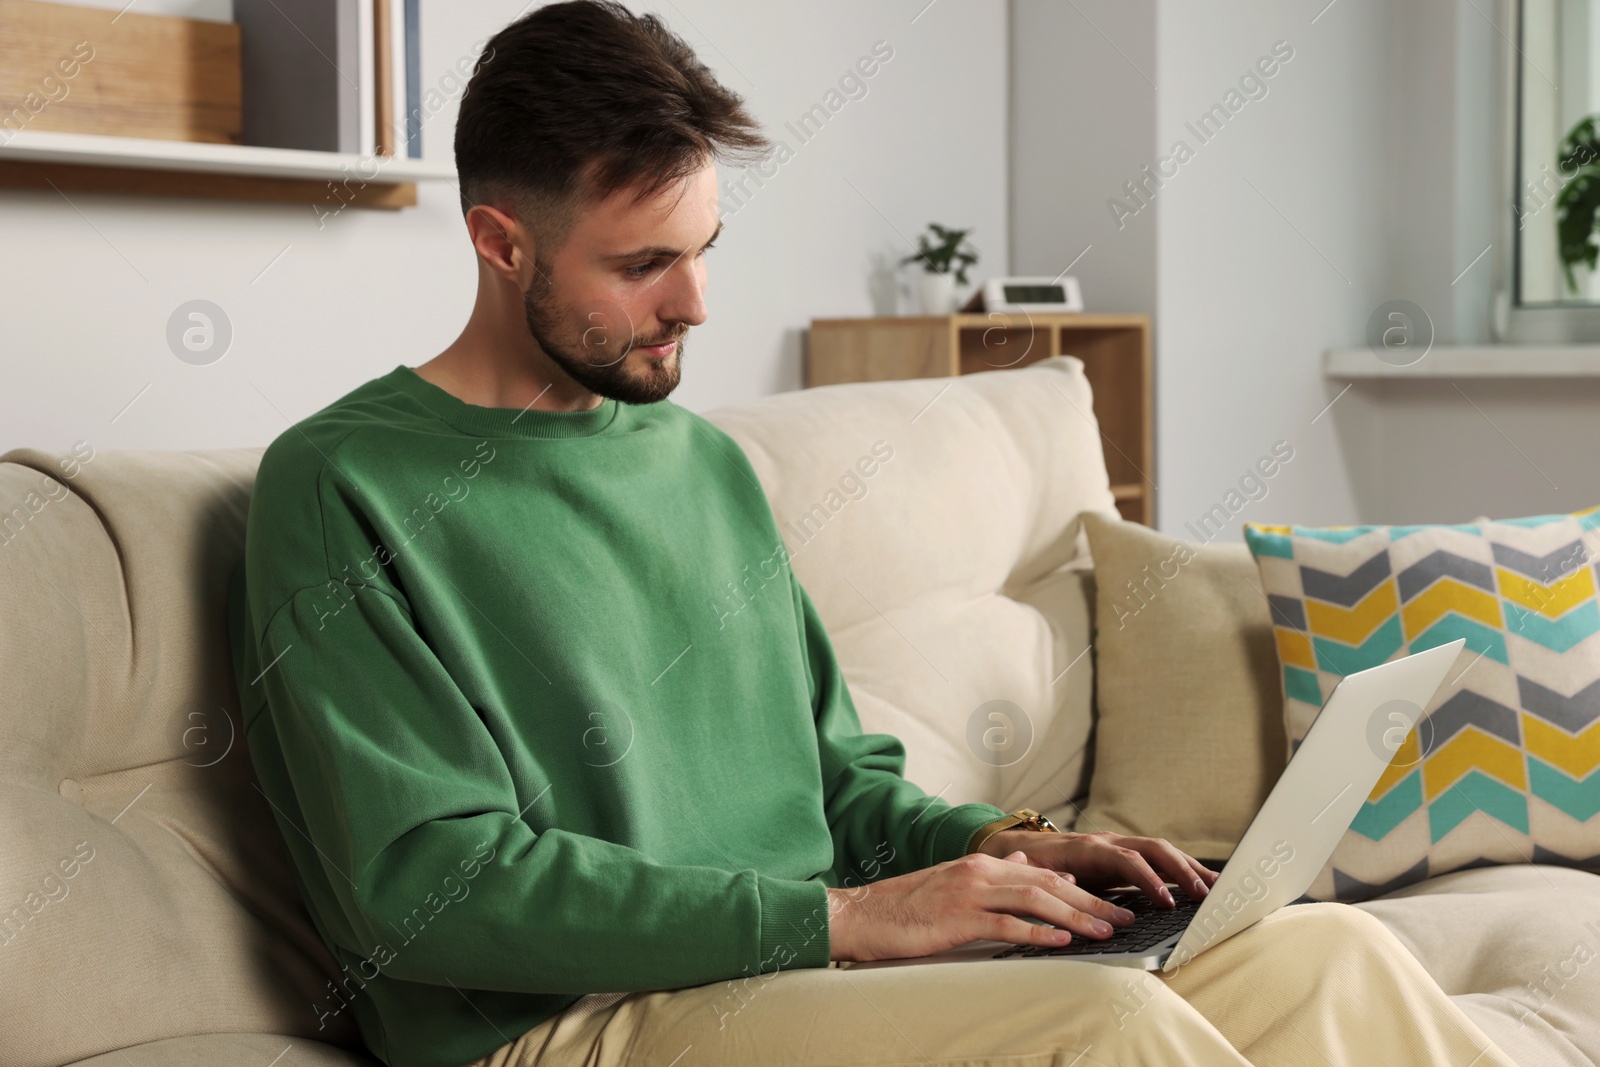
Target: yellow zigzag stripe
x,y
1552,600
1294,648
1468,750
1404,762
1447,595
1352,625
1576,755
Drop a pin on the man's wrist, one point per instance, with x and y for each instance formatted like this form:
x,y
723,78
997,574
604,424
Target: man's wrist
x,y
839,946
1024,819
953,832
1003,843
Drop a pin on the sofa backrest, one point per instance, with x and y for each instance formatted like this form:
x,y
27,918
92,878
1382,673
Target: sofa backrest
x,y
144,891
954,578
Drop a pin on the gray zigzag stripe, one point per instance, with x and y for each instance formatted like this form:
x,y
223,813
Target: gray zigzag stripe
x,y
1481,861
1467,708
1345,590
1353,889
1545,569
1287,611
1572,714
1556,859
1441,564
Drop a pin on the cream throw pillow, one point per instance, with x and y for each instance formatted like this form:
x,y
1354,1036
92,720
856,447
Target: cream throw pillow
x,y
1189,734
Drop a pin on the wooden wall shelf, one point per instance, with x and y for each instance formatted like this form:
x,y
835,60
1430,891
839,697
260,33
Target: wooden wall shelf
x,y
100,100
1115,350
40,159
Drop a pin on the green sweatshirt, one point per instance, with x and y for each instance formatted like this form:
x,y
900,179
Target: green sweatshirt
x,y
542,711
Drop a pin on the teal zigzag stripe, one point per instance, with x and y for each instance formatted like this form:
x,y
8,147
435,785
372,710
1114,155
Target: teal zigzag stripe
x,y
1333,536
1579,798
1487,640
1476,791
1533,520
1342,659
1558,635
1397,532
1301,684
1269,544
1377,818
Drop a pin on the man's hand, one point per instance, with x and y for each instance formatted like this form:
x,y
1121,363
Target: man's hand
x,y
977,897
1104,860
990,894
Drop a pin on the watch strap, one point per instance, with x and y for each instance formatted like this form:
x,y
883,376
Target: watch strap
x,y
1022,818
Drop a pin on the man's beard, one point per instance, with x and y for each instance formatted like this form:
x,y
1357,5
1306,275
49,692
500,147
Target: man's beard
x,y
609,376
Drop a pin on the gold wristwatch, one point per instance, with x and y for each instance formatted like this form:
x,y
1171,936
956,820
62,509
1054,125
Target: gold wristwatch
x,y
1021,819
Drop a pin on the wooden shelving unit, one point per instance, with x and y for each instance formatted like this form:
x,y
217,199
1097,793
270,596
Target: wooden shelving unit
x,y
116,101
1115,350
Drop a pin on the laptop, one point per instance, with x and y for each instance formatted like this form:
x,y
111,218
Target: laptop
x,y
1353,738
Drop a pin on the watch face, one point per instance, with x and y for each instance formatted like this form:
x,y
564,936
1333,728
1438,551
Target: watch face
x,y
1039,822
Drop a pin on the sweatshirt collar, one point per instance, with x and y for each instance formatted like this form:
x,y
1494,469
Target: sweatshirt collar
x,y
504,422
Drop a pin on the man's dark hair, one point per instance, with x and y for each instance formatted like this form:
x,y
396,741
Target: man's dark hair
x,y
578,100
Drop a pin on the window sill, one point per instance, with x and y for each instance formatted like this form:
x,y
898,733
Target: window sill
x,y
1470,361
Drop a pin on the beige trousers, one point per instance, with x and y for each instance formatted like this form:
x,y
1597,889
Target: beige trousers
x,y
1310,985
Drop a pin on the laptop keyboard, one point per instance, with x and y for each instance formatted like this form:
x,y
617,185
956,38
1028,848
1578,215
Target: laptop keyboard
x,y
1152,924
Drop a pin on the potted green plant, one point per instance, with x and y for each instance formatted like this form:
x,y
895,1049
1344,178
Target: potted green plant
x,y
1579,199
936,290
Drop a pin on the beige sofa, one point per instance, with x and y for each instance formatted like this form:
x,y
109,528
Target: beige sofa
x,y
148,914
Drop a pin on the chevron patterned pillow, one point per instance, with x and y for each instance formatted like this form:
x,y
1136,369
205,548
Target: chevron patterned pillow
x,y
1501,767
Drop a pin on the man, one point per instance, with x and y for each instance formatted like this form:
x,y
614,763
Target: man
x,y
530,786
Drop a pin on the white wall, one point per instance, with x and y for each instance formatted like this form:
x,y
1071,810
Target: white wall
x,y
1454,450
1443,450
87,282
1083,112
1271,248
1242,303
1365,174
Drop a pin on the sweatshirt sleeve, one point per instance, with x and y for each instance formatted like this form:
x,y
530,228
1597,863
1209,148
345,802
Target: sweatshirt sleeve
x,y
400,787
882,824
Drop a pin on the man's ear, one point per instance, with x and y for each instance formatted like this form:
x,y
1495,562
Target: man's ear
x,y
502,243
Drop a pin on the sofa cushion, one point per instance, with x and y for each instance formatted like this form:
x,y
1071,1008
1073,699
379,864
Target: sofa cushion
x,y
1503,764
132,837
1189,732
932,522
1517,948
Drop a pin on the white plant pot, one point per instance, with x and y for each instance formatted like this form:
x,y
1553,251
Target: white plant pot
x,y
936,293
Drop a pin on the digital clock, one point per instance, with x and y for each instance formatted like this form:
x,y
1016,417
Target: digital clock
x,y
1027,294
